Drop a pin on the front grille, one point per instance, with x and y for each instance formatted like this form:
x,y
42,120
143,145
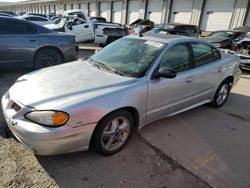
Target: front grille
x,y
15,107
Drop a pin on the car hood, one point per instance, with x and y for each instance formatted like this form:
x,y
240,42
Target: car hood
x,y
50,87
216,39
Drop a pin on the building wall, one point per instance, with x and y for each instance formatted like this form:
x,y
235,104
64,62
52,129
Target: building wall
x,y
240,12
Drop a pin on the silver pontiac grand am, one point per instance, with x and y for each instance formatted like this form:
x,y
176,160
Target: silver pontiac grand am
x,y
100,102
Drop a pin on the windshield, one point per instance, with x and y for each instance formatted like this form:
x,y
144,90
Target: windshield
x,y
129,56
222,34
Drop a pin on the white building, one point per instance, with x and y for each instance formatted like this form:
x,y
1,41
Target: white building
x,y
209,15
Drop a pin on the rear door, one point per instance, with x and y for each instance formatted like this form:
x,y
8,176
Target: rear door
x,y
81,28
206,73
18,41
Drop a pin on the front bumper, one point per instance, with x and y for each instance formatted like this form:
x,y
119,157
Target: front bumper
x,y
44,140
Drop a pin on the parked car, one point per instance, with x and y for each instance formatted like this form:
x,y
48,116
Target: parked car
x,y
79,24
243,51
37,19
102,100
98,19
26,44
20,13
224,38
177,28
4,14
245,29
35,14
8,12
140,26
50,15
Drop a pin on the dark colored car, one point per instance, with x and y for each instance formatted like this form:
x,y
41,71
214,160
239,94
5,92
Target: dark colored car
x,y
140,26
26,44
4,14
177,29
224,38
98,19
8,12
36,14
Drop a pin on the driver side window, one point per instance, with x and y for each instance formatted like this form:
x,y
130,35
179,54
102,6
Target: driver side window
x,y
177,58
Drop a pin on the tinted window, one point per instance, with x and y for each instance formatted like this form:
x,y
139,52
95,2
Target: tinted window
x,y
175,60
35,19
14,27
202,53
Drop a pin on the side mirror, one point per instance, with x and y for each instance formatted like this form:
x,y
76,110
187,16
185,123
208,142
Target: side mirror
x,y
166,73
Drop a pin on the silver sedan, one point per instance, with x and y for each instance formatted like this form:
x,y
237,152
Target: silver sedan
x,y
101,101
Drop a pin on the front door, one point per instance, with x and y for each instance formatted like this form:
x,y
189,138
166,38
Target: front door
x,y
82,30
167,96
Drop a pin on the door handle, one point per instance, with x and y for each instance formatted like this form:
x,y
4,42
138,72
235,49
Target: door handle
x,y
220,69
189,79
86,26
32,40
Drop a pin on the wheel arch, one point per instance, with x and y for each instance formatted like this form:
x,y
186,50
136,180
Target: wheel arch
x,y
230,79
49,47
132,110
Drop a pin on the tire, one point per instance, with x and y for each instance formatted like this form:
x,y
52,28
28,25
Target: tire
x,y
221,94
110,136
47,57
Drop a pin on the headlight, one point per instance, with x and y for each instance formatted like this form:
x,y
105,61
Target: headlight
x,y
49,118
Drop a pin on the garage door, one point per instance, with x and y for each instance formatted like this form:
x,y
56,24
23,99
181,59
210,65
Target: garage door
x,y
68,7
47,9
104,10
181,11
248,19
154,12
84,7
92,9
217,15
52,8
75,6
133,11
117,12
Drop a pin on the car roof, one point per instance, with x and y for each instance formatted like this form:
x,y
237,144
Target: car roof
x,y
164,38
177,24
72,11
167,38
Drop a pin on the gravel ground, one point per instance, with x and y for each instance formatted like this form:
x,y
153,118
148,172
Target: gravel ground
x,y
138,165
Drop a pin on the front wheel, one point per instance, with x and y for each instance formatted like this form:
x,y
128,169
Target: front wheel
x,y
113,132
221,94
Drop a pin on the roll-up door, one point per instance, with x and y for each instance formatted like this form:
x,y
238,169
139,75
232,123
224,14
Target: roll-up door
x,y
217,15
117,12
104,10
92,9
181,11
133,10
154,11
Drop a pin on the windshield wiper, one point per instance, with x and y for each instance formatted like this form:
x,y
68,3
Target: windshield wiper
x,y
97,63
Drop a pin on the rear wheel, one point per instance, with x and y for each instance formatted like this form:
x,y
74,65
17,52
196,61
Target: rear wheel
x,y
47,57
221,94
113,132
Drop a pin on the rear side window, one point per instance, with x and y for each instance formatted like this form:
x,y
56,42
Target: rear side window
x,y
36,19
10,27
203,53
